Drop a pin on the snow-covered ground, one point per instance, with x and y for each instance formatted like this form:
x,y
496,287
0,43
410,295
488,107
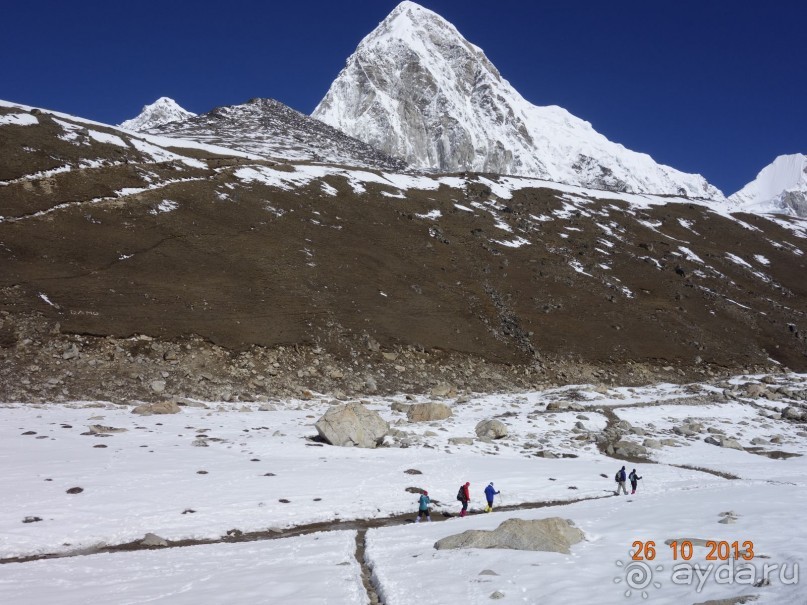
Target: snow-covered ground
x,y
206,471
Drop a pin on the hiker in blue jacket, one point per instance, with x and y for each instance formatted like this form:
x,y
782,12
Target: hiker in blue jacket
x,y
620,478
490,491
423,507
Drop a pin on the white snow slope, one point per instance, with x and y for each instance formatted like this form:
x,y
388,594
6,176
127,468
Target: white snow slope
x,y
780,187
261,472
162,111
416,89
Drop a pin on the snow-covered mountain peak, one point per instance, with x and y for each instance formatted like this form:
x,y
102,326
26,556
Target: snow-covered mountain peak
x,y
417,89
162,111
410,21
779,187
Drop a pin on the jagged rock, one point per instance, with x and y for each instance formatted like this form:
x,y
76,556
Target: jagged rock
x,y
628,449
71,352
163,407
730,443
712,441
497,595
545,454
549,535
792,413
491,429
99,429
352,424
158,386
153,540
444,390
460,440
755,390
653,444
759,441
428,412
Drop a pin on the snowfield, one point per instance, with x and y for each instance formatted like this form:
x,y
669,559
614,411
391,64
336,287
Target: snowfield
x,y
221,469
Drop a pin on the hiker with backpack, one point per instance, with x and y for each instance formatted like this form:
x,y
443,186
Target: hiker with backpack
x,y
464,496
490,492
423,507
620,482
634,480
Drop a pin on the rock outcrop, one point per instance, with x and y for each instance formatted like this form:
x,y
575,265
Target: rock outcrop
x,y
491,429
428,412
352,424
162,407
548,535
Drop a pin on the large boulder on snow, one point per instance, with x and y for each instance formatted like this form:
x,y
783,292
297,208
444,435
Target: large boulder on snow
x,y
629,449
491,429
163,407
427,412
548,535
352,424
793,413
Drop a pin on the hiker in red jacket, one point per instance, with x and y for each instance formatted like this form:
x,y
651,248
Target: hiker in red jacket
x,y
464,496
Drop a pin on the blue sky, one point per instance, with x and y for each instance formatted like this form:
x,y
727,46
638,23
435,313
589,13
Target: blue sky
x,y
706,86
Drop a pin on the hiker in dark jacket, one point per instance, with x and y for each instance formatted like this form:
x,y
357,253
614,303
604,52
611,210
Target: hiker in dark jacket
x,y
634,480
620,482
490,492
423,507
464,496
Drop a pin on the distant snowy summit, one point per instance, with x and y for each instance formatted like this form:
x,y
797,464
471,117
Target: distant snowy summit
x,y
162,111
270,129
415,88
779,187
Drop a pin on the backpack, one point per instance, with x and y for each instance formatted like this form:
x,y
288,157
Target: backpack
x,y
616,478
461,493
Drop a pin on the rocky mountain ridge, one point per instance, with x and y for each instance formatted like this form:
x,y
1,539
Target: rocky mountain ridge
x,y
417,89
272,130
163,111
780,187
371,279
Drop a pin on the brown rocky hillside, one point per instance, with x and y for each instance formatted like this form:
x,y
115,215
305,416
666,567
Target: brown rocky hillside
x,y
134,269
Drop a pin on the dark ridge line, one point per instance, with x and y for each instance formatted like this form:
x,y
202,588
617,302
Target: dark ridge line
x,y
366,570
700,469
235,536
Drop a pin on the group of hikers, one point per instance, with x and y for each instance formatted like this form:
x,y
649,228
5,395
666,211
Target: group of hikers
x,y
620,481
464,494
